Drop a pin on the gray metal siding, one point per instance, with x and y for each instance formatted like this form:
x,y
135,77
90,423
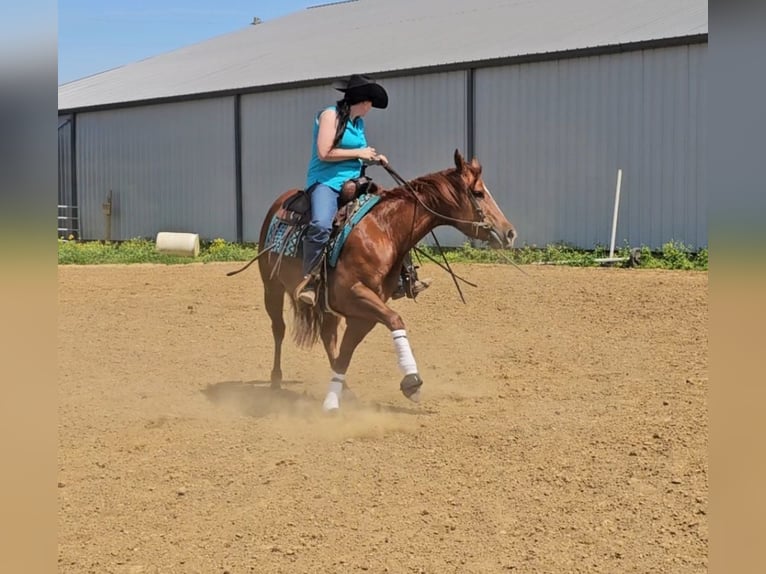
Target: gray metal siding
x,y
418,132
276,147
170,168
424,122
552,135
696,206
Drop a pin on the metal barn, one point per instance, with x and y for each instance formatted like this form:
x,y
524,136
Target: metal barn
x,y
552,96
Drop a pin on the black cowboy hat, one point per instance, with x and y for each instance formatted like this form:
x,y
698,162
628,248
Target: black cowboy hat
x,y
358,88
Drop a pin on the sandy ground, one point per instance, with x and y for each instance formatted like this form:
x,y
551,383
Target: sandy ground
x,y
563,428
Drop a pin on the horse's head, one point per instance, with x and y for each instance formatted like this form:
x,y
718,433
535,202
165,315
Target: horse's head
x,y
480,216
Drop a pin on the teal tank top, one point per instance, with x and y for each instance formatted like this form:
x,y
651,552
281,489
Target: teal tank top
x,y
334,173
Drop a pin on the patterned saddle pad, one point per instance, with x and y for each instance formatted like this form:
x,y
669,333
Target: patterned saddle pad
x,y
287,238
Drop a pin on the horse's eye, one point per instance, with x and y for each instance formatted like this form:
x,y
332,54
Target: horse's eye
x,y
478,192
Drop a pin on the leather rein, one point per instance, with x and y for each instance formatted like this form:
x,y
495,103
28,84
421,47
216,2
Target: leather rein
x,y
478,224
482,223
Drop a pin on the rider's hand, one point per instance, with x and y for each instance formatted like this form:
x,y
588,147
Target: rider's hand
x,y
381,159
367,154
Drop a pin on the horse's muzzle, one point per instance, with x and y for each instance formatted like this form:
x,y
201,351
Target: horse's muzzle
x,y
510,237
502,240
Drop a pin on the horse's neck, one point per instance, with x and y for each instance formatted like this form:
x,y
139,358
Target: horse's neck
x,y
411,222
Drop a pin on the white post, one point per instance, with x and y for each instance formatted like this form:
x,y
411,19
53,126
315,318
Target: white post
x,y
616,208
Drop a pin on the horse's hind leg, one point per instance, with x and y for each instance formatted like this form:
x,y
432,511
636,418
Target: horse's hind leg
x,y
274,298
329,334
356,330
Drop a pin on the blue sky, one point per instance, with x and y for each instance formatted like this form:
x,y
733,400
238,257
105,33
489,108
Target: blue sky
x,y
97,35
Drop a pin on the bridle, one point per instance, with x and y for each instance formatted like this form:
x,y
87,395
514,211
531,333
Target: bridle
x,y
479,223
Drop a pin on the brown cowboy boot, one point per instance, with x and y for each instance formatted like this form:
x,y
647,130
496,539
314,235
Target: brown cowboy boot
x,y
420,285
409,283
307,292
313,251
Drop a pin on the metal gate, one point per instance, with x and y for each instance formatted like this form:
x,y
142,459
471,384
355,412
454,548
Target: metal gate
x,y
68,216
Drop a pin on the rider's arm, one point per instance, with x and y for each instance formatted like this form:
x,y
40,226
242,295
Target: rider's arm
x,y
325,137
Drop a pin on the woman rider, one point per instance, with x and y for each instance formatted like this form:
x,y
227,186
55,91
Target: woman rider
x,y
338,153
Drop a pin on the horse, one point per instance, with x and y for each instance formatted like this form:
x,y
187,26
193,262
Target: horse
x,y
366,274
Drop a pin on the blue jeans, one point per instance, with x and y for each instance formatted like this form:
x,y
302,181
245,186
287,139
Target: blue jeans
x,y
324,206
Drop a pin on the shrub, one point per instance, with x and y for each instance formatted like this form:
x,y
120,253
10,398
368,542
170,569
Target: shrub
x,y
673,255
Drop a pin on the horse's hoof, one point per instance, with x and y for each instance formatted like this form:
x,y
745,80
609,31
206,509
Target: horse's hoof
x,y
331,403
410,386
276,379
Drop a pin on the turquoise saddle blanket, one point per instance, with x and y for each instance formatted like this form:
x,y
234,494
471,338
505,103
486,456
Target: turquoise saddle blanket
x,y
289,241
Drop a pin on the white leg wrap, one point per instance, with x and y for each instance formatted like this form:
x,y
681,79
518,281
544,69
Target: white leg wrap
x,y
332,399
404,352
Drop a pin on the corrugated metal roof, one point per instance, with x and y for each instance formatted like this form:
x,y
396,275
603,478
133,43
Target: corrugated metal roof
x,y
376,36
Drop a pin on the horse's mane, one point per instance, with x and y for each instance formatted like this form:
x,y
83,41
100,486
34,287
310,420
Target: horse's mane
x,y
445,183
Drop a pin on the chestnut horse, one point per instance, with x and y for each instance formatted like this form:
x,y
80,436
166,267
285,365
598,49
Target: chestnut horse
x,y
367,270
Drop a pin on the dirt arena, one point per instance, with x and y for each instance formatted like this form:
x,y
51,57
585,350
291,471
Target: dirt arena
x,y
563,428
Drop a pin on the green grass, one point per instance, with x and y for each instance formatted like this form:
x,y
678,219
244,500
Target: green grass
x,y
143,251
674,255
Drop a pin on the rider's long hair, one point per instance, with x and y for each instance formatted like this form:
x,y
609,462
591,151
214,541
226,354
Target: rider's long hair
x,y
343,109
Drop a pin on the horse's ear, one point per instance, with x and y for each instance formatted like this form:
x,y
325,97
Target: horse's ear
x,y
459,161
475,164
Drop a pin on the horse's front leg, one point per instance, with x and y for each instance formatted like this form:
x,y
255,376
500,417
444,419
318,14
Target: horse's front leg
x,y
363,303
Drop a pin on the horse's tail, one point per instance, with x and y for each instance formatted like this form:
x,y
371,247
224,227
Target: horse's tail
x,y
307,324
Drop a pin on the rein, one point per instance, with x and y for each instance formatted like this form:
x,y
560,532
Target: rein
x,y
253,260
401,181
478,224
